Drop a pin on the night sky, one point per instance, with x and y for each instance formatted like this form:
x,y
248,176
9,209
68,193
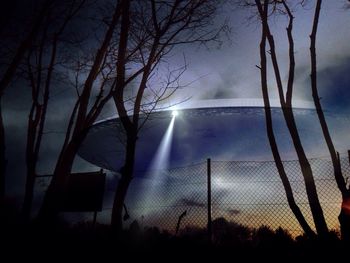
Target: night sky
x,y
213,72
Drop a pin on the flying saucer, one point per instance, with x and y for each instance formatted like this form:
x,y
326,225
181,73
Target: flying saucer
x,y
217,129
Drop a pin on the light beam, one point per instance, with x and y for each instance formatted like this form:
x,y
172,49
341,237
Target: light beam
x,y
158,165
161,158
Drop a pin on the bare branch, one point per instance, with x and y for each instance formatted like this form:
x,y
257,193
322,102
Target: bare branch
x,y
290,84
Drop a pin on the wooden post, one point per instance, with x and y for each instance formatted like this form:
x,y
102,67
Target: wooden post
x,y
209,199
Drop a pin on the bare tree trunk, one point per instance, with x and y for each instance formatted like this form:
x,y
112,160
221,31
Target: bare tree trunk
x,y
119,199
344,219
52,201
6,80
161,35
31,157
130,128
77,127
29,191
36,121
344,216
315,206
270,133
123,185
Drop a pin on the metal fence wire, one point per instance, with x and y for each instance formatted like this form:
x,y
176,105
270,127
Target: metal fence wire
x,y
249,193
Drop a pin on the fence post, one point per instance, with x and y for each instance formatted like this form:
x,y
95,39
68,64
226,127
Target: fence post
x,y
209,200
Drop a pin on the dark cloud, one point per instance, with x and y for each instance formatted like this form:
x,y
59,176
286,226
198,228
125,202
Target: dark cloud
x,y
224,89
222,93
189,202
233,212
334,83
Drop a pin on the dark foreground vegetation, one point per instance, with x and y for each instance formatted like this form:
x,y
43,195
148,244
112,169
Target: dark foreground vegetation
x,y
230,242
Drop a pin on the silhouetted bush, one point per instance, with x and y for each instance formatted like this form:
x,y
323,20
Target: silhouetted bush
x,y
230,233
229,238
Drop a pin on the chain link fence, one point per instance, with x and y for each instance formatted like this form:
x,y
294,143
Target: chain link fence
x,y
248,193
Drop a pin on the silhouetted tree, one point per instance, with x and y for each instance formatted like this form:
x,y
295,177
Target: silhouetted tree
x,y
104,74
286,105
160,25
263,236
41,62
230,233
97,75
7,76
269,125
344,216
